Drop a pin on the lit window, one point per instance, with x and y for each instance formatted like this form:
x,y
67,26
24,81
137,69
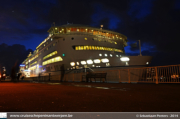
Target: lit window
x,y
117,55
56,59
77,48
147,62
85,38
52,60
97,61
72,64
124,58
111,55
100,54
83,62
104,60
115,42
127,63
51,39
93,65
92,47
105,55
77,29
107,64
95,48
81,47
77,63
89,61
85,47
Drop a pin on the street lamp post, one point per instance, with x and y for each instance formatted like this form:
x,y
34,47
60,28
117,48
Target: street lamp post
x,y
140,47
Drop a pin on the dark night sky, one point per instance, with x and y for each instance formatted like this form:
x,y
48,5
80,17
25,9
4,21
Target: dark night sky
x,y
155,22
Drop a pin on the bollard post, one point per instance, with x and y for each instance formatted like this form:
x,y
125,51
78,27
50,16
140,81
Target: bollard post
x,y
60,77
156,75
129,81
81,77
39,77
119,76
49,76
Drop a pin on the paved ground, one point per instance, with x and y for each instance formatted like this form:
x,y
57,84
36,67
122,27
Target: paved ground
x,y
88,97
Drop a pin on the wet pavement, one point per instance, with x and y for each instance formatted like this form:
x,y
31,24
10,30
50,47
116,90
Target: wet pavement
x,y
88,86
88,97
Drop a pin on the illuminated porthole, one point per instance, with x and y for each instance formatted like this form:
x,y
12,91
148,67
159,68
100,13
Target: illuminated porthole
x,y
105,55
77,63
117,55
111,55
100,54
83,62
105,60
85,38
124,59
97,61
89,61
72,64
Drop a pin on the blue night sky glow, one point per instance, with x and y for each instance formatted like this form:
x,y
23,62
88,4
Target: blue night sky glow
x,y
140,8
155,22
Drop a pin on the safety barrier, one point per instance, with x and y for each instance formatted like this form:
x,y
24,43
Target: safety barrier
x,y
158,74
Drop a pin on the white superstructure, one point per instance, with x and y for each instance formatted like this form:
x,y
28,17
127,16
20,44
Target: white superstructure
x,y
78,45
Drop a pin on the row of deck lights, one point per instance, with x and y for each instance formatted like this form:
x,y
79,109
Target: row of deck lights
x,y
86,31
90,62
96,61
109,55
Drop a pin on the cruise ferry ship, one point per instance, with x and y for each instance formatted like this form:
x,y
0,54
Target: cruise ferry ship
x,y
79,46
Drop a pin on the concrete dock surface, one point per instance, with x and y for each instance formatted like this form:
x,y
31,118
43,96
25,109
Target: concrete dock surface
x,y
88,97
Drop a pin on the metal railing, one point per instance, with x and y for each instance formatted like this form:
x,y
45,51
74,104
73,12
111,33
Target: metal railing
x,y
158,74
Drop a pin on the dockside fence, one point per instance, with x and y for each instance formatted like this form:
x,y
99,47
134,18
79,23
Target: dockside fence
x,y
159,74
